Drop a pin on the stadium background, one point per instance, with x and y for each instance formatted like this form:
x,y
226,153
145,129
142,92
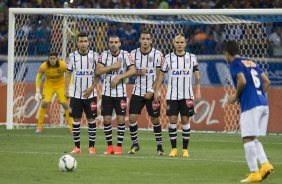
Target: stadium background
x,y
205,41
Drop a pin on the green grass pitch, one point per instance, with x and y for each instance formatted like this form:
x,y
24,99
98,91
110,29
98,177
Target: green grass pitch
x,y
215,158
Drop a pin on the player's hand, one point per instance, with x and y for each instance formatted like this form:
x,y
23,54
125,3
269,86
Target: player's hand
x,y
116,65
231,99
67,93
87,92
148,95
143,71
115,82
38,96
157,95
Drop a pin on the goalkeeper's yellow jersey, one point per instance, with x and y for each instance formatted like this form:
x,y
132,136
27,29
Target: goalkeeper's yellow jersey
x,y
54,76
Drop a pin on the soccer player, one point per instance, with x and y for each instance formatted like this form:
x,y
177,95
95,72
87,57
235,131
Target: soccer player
x,y
54,70
251,85
148,62
117,65
83,96
180,97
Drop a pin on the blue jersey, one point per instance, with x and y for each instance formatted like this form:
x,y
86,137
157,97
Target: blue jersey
x,y
253,94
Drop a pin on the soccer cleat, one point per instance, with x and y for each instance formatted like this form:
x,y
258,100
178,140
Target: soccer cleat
x,y
38,130
133,149
253,177
110,150
76,150
185,153
118,150
160,152
173,152
265,170
91,151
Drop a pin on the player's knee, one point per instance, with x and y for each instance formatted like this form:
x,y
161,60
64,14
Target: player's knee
x,y
91,120
44,104
120,119
184,120
133,118
155,120
173,119
76,119
107,120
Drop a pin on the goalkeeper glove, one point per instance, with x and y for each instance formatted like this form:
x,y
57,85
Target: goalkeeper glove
x,y
38,96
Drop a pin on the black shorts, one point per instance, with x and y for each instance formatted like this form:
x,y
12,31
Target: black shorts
x,y
138,102
110,103
89,106
185,107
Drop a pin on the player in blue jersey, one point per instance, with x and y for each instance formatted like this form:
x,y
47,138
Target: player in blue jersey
x,y
251,85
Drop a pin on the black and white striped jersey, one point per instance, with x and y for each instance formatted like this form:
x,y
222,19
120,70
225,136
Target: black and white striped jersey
x,y
107,59
83,69
151,61
180,72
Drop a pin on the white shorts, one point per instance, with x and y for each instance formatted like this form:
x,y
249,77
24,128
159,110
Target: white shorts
x,y
254,122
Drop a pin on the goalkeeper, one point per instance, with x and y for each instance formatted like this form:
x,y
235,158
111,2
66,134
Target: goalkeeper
x,y
54,70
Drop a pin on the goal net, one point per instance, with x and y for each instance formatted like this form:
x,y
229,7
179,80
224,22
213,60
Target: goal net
x,y
35,33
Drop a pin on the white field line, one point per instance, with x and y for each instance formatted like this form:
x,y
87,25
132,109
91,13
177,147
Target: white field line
x,y
139,138
123,156
134,157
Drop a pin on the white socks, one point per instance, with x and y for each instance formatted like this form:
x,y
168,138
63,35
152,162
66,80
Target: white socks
x,y
251,155
260,152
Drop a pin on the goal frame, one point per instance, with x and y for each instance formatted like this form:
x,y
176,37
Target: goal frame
x,y
70,11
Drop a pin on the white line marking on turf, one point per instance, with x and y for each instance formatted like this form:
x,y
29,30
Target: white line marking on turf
x,y
132,157
141,138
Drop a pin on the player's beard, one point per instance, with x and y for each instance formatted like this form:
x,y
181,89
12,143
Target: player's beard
x,y
114,50
83,50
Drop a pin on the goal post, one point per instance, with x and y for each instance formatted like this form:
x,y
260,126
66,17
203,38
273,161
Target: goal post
x,y
64,23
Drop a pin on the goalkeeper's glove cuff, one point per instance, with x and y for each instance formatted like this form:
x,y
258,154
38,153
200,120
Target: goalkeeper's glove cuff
x,y
37,90
38,96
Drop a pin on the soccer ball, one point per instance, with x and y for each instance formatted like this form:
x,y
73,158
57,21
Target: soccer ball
x,y
67,163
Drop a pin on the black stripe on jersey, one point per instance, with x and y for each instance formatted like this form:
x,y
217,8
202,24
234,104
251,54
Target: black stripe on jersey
x,y
154,58
87,62
135,66
146,74
111,76
171,78
81,77
104,65
159,61
184,77
153,77
87,68
80,61
75,81
94,68
122,79
140,76
190,76
177,66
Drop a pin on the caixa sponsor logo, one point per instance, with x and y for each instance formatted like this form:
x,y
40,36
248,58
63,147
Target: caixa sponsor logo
x,y
84,73
149,71
115,72
180,72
